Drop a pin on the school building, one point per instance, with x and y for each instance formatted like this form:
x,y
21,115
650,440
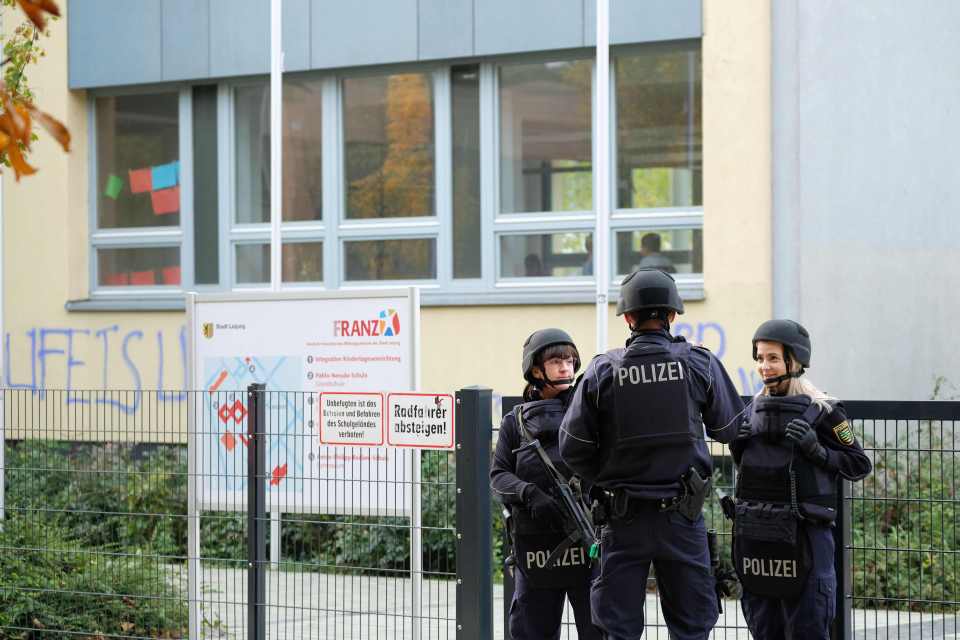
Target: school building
x,y
779,158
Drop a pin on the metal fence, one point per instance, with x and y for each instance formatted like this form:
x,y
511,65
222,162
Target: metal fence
x,y
100,541
901,566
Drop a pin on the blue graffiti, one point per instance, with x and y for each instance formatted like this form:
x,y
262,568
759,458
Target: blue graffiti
x,y
713,336
49,344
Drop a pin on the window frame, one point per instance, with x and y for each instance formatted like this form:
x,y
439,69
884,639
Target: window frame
x,y
334,229
142,237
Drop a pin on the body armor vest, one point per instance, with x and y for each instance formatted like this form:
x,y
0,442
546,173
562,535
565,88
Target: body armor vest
x,y
653,405
772,472
533,539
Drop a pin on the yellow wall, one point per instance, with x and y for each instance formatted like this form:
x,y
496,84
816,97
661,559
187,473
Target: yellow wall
x,y
45,254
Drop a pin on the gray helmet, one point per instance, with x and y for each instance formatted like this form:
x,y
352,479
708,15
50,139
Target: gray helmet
x,y
540,340
648,289
790,334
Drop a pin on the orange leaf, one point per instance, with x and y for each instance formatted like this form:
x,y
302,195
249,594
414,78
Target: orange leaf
x,y
20,166
54,127
36,8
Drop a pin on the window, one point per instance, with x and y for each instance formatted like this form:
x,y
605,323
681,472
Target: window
x,y
545,142
137,235
659,163
475,181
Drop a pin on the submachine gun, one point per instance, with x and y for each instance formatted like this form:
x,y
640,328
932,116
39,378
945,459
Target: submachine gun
x,y
578,523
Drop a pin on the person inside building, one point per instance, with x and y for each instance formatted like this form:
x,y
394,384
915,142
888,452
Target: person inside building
x,y
650,256
635,429
789,454
519,480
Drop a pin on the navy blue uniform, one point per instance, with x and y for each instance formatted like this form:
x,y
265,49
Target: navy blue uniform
x,y
536,613
811,613
640,443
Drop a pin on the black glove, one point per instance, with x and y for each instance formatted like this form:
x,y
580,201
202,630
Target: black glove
x,y
745,432
804,437
542,506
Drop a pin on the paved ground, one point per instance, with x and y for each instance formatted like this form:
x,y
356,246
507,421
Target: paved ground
x,y
325,607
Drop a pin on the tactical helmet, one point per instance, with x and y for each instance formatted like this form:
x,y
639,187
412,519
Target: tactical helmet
x,y
790,334
540,340
648,288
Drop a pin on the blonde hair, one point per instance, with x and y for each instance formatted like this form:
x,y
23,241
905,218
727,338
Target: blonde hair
x,y
801,386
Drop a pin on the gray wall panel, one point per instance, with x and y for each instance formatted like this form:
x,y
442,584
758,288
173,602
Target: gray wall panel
x,y
446,29
530,25
198,39
186,42
296,35
363,32
109,47
874,154
239,37
646,20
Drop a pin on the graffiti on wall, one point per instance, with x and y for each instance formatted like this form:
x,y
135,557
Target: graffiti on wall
x,y
61,349
131,359
713,336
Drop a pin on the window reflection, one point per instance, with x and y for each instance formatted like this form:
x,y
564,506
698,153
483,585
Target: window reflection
x,y
545,139
539,255
401,259
659,138
302,261
389,146
138,153
140,267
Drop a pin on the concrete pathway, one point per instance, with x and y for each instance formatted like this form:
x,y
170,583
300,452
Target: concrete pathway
x,y
312,606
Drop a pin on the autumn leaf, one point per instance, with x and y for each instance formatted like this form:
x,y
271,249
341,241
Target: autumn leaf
x,y
35,10
53,126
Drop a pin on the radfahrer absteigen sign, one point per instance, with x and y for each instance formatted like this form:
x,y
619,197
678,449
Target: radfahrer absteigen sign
x,y
408,420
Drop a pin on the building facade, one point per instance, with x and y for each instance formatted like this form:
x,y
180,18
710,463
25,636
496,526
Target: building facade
x,y
446,144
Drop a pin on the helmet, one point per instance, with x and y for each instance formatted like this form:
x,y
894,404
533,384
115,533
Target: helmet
x,y
790,334
540,340
649,288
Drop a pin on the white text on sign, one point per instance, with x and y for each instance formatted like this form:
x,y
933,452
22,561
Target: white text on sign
x,y
351,418
420,420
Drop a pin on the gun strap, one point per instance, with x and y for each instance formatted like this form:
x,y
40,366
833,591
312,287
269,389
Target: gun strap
x,y
566,543
527,438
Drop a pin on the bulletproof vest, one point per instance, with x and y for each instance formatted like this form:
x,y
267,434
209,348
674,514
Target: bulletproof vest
x,y
769,458
653,405
542,419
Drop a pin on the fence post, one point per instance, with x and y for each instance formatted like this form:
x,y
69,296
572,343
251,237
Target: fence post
x,y
843,564
474,525
256,512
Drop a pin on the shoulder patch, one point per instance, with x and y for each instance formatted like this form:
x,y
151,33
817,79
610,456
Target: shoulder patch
x,y
844,433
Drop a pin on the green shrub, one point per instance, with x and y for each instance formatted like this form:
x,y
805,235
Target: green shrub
x,y
905,531
48,583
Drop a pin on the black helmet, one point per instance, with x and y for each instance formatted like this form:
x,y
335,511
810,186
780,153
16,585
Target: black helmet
x,y
790,334
540,340
648,288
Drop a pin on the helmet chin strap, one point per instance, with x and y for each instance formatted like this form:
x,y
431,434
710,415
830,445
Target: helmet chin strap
x,y
772,381
554,383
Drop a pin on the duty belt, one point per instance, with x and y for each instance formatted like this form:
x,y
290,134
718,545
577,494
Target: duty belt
x,y
621,506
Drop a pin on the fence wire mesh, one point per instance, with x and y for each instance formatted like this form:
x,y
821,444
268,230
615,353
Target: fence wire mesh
x,y
904,543
95,538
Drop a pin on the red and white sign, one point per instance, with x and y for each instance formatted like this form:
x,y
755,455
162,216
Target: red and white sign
x,y
420,420
354,419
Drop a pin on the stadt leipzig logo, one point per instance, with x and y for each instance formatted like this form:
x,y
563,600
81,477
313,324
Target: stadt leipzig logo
x,y
386,325
207,329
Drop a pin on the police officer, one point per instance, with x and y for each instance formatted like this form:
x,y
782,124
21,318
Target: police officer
x,y
635,428
789,453
542,582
